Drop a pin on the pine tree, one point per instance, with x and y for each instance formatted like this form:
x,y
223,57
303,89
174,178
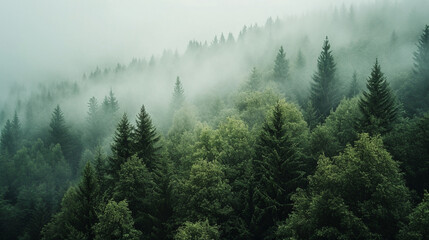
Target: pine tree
x,y
324,88
77,216
300,61
178,95
421,72
377,105
7,145
16,127
87,194
121,147
281,67
136,185
94,128
254,82
354,88
145,140
58,131
278,171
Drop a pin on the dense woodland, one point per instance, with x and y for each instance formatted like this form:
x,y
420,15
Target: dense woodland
x,y
292,138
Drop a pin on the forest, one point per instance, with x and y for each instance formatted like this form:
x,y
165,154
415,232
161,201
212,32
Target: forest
x,y
307,127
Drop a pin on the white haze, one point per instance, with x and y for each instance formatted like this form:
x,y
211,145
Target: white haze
x,y
46,38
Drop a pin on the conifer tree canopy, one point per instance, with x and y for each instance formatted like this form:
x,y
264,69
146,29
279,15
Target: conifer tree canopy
x,y
377,104
324,88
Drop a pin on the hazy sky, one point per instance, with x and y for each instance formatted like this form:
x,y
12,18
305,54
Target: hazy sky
x,y
67,37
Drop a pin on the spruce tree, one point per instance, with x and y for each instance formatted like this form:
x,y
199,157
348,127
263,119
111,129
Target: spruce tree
x,y
300,61
254,82
281,67
58,130
7,145
145,140
278,171
417,100
87,193
324,88
354,88
121,147
16,127
136,185
178,95
377,105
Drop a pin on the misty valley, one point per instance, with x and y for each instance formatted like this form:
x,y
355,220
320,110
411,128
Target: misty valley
x,y
308,126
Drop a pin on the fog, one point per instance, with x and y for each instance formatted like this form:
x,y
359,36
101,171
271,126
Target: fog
x,y
46,43
44,38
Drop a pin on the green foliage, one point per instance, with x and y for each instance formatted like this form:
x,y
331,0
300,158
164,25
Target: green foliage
x,y
200,230
205,194
252,106
418,225
145,140
78,210
416,98
178,95
354,86
377,105
278,168
281,67
254,82
122,147
135,184
408,142
116,223
359,194
324,88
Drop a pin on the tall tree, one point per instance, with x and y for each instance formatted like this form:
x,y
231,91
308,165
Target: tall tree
x,y
58,129
136,185
145,140
359,194
377,105
300,61
281,67
7,143
418,222
324,88
121,148
354,87
77,216
278,171
116,223
94,133
254,82
178,95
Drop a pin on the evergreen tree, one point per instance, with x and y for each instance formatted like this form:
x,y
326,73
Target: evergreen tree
x,y
121,148
377,105
7,144
354,87
87,193
178,95
416,100
300,61
77,216
116,223
324,88
281,67
136,185
16,127
145,140
58,129
94,131
278,171
254,82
